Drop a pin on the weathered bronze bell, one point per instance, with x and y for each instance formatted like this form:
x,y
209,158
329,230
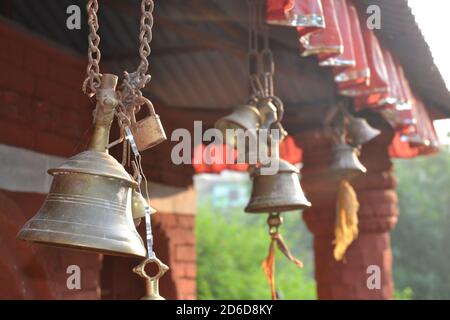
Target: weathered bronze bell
x,y
345,162
245,117
277,193
360,131
89,205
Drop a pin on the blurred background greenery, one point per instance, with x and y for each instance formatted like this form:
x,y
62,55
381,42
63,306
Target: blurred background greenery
x,y
231,244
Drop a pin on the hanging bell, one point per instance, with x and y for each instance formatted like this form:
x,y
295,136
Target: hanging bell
x,y
269,111
245,117
89,205
277,193
360,131
139,205
345,162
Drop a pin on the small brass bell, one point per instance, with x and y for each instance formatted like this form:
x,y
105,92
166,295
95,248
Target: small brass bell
x,y
89,205
268,110
139,204
360,131
345,162
277,193
245,117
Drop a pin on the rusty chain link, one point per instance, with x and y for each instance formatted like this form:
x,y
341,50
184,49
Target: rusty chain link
x,y
260,57
92,81
133,83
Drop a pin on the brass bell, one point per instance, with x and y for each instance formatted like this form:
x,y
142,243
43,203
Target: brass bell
x,y
139,205
245,117
277,193
89,205
360,131
345,162
149,131
268,109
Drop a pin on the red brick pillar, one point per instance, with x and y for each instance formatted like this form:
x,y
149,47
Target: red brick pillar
x,y
377,216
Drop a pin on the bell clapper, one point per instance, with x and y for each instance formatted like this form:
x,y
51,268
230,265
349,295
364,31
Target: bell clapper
x,y
152,283
274,221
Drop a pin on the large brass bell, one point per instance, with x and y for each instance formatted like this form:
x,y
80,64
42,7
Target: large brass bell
x,y
277,193
345,162
360,131
149,131
245,117
89,205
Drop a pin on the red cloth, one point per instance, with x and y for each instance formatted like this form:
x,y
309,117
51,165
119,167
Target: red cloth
x,y
418,138
397,107
378,84
306,15
324,41
360,73
347,58
424,137
204,155
401,148
393,96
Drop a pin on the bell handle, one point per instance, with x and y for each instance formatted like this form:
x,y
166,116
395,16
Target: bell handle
x,y
140,268
280,107
104,112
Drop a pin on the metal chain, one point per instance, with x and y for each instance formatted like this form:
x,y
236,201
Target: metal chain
x,y
92,81
267,61
261,62
253,51
133,83
145,37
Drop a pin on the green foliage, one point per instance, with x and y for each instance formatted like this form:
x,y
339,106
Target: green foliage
x,y
422,237
230,249
405,294
231,244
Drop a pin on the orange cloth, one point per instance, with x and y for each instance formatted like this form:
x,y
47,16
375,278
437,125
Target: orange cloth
x,y
269,263
346,229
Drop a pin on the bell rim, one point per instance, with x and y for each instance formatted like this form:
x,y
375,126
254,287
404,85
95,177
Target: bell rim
x,y
301,205
28,235
347,173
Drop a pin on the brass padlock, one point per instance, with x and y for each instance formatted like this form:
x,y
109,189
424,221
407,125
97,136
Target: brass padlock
x,y
148,132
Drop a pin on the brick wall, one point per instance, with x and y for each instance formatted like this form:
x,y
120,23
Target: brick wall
x,y
30,271
174,245
42,108
180,253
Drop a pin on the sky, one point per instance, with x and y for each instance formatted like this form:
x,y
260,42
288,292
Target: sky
x,y
433,19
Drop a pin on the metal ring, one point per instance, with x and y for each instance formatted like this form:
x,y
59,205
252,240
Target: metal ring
x,y
140,268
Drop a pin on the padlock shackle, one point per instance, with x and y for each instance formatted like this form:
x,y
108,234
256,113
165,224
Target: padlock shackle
x,y
149,105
